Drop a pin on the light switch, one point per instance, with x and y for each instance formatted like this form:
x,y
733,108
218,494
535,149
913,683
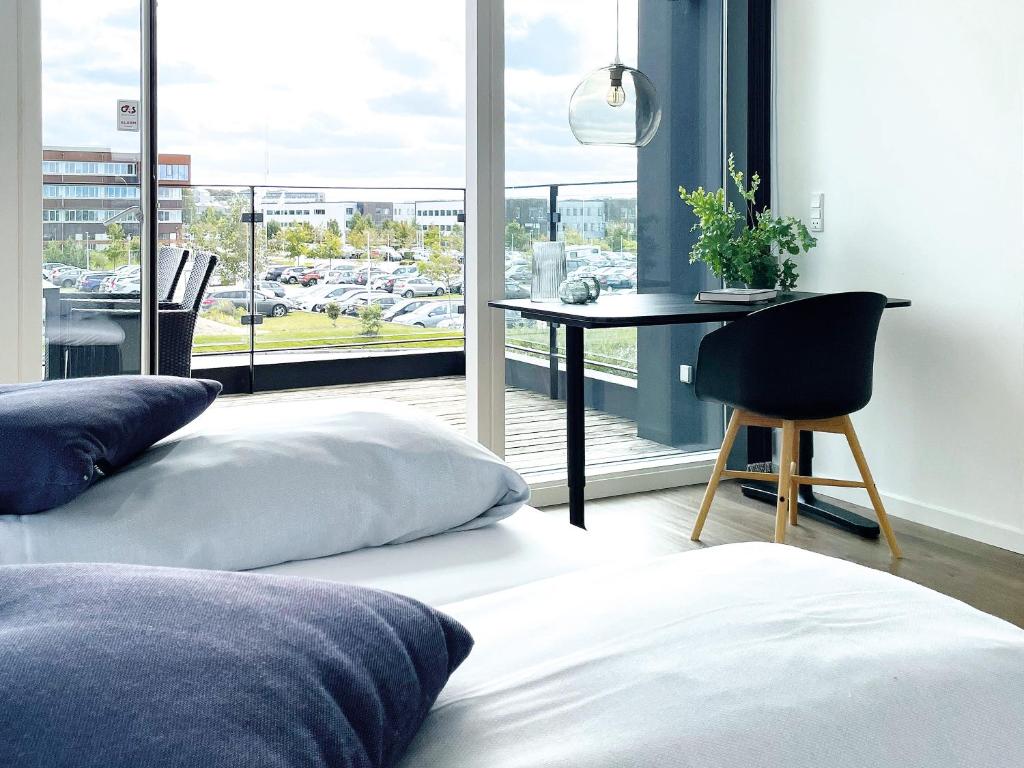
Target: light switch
x,y
817,217
686,374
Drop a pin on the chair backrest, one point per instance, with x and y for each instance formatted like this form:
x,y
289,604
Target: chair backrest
x,y
805,359
170,262
199,275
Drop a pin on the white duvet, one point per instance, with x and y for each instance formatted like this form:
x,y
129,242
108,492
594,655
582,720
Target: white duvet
x,y
740,656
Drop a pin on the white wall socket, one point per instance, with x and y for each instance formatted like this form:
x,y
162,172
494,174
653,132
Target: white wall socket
x,y
817,217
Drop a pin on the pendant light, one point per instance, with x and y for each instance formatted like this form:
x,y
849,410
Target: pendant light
x,y
615,105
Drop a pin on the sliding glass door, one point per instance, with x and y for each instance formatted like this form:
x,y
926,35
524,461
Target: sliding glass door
x,y
92,260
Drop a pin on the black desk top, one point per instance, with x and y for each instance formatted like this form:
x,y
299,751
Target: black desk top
x,y
626,310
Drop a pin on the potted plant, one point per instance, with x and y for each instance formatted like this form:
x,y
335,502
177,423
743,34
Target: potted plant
x,y
745,247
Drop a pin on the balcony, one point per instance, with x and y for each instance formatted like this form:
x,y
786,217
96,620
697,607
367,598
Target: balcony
x,y
308,248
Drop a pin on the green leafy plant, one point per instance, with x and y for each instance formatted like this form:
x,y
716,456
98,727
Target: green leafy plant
x,y
746,246
369,318
333,311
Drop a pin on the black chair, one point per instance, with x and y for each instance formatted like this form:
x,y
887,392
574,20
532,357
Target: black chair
x,y
748,365
177,322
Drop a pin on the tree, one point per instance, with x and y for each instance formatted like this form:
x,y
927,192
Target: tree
x,y
442,268
403,234
219,229
432,239
516,236
333,311
297,239
329,247
573,237
273,227
619,237
334,227
457,238
369,318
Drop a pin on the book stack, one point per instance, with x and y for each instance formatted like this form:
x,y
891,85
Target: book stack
x,y
737,296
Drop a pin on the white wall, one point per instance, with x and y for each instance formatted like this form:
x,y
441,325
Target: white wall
x,y
909,117
20,191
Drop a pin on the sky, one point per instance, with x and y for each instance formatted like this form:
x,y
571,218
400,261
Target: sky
x,y
342,92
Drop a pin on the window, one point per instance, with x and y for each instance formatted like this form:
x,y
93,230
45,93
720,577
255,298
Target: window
x,y
87,168
51,214
169,216
320,211
173,172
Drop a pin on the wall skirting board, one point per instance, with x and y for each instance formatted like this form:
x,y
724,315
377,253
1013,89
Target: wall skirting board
x,y
941,518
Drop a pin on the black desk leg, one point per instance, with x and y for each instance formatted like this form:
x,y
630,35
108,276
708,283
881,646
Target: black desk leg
x,y
809,504
574,422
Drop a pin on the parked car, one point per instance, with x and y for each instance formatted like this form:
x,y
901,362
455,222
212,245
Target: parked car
x,y
49,266
272,306
406,270
123,283
124,271
455,322
520,273
368,274
514,290
417,286
65,277
310,277
339,294
403,307
91,281
385,300
271,287
430,314
274,271
339,276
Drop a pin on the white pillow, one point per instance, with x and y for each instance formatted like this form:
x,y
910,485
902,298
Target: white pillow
x,y
246,487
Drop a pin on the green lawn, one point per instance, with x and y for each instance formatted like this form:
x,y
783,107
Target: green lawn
x,y
312,329
616,347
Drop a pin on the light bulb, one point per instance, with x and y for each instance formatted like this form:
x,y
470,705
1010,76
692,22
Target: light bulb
x,y
616,96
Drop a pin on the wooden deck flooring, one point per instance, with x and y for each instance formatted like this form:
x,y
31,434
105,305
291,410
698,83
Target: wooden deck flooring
x,y
534,424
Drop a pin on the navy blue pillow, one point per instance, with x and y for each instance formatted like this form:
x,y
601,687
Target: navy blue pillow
x,y
58,437
121,666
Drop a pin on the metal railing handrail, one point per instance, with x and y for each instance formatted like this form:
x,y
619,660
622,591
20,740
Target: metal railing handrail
x,y
359,345
573,184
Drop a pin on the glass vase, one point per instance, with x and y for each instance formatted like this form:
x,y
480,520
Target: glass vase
x,y
548,271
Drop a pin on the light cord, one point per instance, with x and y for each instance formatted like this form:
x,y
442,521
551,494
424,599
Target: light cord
x,y
617,59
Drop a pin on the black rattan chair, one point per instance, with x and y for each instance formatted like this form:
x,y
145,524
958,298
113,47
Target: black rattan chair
x,y
749,365
177,322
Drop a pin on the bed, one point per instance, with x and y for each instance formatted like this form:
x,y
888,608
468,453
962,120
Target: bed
x,y
738,655
732,656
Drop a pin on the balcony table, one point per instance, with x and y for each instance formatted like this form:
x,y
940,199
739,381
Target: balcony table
x,y
637,310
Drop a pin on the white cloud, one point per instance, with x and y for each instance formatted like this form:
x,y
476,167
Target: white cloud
x,y
321,92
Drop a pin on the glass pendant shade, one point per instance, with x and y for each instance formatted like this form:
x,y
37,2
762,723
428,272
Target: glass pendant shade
x,y
615,105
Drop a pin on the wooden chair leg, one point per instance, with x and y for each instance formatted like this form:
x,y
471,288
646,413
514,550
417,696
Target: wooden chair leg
x,y
869,482
785,475
794,488
716,475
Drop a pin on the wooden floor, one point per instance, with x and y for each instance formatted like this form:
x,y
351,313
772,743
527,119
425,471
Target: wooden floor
x,y
657,523
534,424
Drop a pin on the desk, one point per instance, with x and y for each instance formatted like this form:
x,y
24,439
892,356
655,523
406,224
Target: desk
x,y
631,311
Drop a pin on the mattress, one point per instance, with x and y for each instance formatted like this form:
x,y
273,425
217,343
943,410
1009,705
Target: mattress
x,y
736,656
528,546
